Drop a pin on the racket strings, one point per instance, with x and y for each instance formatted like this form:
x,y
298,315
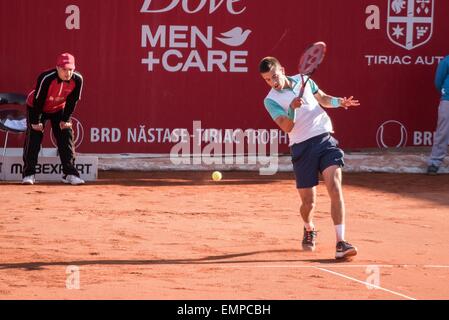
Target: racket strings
x,y
311,58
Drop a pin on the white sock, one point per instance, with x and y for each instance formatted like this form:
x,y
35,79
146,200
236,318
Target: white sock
x,y
340,231
309,226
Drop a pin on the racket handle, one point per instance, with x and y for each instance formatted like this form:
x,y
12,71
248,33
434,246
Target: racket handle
x,y
303,87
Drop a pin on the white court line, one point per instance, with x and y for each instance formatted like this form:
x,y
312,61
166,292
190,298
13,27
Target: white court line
x,y
345,276
436,266
365,283
339,266
312,266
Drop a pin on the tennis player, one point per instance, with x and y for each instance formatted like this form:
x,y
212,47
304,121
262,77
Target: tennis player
x,y
313,149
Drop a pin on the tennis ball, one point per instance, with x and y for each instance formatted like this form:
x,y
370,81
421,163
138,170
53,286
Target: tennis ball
x,y
216,176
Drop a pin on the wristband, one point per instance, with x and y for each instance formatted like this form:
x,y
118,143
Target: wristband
x,y
335,102
291,114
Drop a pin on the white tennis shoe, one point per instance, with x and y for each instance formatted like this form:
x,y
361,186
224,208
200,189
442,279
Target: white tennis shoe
x,y
72,179
29,180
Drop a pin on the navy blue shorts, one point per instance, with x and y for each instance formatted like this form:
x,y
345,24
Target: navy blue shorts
x,y
312,157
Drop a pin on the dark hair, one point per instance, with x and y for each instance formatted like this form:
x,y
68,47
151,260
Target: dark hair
x,y
267,64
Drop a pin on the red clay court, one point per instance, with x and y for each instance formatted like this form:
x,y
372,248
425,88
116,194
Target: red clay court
x,y
179,235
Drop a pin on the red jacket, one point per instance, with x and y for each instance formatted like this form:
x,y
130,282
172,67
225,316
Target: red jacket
x,y
52,95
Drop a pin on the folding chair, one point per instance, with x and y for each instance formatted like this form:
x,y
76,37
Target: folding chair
x,y
12,115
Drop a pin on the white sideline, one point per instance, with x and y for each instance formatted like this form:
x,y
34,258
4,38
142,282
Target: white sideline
x,y
349,266
337,265
366,283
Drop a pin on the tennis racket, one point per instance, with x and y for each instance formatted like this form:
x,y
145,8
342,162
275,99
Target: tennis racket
x,y
309,62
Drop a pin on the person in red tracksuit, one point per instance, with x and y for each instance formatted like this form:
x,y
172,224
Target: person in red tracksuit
x,y
54,98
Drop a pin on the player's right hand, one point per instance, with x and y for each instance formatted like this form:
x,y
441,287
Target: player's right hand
x,y
38,127
296,103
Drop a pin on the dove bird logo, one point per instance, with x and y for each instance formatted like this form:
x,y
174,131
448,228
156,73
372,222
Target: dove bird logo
x,y
235,37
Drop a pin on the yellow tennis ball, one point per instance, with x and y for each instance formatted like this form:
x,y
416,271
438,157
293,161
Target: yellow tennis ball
x,y
216,176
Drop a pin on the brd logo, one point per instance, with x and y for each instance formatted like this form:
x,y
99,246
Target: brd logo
x,y
391,134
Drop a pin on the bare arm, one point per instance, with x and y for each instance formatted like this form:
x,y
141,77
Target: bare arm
x,y
285,123
328,101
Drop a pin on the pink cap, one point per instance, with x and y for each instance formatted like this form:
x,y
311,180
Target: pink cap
x,y
66,61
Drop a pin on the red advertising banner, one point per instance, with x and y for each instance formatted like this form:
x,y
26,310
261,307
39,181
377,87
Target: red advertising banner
x,y
157,71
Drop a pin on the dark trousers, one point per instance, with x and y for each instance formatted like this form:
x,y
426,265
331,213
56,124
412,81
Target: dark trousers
x,y
33,141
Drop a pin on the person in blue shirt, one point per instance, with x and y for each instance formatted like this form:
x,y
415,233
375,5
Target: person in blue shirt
x,y
441,138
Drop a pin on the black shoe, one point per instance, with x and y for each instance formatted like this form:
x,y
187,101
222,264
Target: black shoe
x,y
309,240
432,170
345,250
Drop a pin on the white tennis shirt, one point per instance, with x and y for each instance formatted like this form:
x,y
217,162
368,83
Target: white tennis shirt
x,y
310,119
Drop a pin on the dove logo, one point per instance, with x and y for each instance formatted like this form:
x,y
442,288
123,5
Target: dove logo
x,y
235,37
232,6
178,48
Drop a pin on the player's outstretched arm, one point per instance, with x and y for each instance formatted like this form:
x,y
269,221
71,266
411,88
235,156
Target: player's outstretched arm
x,y
328,101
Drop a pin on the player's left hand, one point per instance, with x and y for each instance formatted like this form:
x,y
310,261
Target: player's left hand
x,y
65,125
349,102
